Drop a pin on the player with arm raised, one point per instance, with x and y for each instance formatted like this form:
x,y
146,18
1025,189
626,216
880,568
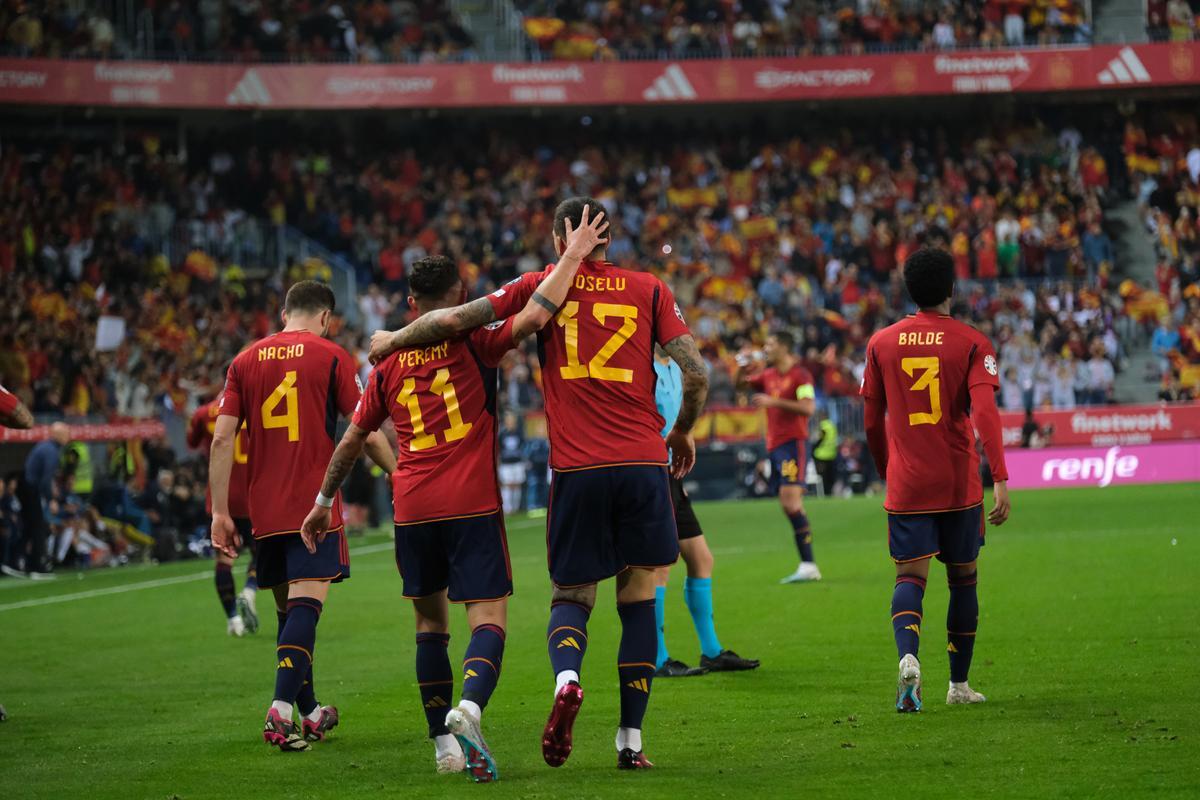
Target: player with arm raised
x,y
785,390
241,610
929,380
450,541
610,503
13,413
290,389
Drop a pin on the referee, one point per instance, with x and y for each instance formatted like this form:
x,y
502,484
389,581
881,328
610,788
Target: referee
x,y
697,588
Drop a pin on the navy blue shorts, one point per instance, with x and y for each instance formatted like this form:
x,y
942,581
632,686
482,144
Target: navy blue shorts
x,y
953,536
284,559
246,531
606,519
468,556
789,462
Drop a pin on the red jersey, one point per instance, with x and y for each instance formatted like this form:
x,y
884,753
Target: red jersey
x,y
923,368
796,384
442,399
598,363
8,401
200,436
289,389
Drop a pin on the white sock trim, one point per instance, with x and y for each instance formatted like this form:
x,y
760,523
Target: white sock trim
x,y
284,708
472,708
629,738
446,745
314,715
563,678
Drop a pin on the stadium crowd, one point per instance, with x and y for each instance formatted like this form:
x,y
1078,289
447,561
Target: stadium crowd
x,y
247,30
1171,20
754,234
572,29
1163,157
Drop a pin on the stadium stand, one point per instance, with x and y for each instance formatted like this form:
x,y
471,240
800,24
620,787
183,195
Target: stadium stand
x,y
407,31
568,29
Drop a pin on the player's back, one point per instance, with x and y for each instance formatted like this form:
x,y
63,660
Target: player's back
x,y
290,389
598,368
924,367
442,400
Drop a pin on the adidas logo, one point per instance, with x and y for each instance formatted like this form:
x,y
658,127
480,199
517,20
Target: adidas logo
x,y
914,628
436,702
472,673
950,648
286,663
249,91
641,684
1125,68
568,642
671,85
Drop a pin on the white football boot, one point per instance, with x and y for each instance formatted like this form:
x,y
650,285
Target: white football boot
x,y
962,694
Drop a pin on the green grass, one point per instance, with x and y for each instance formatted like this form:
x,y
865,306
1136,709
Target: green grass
x,y
1088,651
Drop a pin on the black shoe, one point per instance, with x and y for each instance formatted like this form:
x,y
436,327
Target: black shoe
x,y
631,759
678,669
727,661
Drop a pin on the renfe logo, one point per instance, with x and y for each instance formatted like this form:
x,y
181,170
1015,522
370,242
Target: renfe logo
x,y
1102,470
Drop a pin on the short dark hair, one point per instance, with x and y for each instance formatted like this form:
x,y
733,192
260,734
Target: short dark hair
x,y
929,276
431,277
786,339
309,297
572,209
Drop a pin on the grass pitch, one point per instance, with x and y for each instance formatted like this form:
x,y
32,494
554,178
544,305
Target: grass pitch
x,y
1089,652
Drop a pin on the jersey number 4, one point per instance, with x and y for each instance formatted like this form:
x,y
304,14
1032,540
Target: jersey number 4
x,y
289,418
929,366
442,387
568,320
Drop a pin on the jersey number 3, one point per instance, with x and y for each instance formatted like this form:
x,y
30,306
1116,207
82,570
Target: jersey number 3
x,y
930,366
568,320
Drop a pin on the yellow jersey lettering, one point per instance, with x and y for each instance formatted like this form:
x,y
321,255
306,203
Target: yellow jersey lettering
x,y
922,337
599,283
280,352
423,355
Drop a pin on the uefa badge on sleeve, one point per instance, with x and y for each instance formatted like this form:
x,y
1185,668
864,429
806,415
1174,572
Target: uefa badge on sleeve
x,y
989,363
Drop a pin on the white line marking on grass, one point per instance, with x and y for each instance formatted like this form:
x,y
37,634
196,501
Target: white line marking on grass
x,y
152,584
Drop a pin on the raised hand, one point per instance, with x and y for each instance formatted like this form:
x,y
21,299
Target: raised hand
x,y
587,237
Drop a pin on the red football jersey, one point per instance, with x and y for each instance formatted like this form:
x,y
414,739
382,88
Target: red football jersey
x,y
200,436
784,426
289,389
598,363
8,401
923,368
442,399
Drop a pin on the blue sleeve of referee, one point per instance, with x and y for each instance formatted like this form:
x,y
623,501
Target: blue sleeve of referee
x,y
668,392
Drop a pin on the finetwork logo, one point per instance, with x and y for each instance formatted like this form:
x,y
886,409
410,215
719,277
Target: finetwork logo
x,y
1125,68
671,85
249,91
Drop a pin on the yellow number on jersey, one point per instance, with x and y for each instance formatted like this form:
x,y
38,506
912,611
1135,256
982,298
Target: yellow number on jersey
x,y
445,389
239,455
284,393
927,381
596,368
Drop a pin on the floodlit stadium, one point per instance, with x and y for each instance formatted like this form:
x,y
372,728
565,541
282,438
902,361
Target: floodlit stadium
x,y
725,376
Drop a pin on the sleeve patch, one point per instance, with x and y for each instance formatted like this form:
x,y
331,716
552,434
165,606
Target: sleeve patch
x,y
989,363
806,392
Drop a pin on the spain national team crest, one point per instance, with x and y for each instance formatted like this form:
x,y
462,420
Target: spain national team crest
x,y
989,363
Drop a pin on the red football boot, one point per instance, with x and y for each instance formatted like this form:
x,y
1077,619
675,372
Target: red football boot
x,y
315,731
632,759
283,733
556,738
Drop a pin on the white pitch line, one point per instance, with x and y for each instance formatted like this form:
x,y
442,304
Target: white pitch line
x,y
157,582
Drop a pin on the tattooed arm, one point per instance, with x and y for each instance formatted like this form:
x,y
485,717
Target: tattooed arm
x,y
683,351
19,417
348,451
433,326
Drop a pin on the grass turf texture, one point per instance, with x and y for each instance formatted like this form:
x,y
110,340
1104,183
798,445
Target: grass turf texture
x,y
1087,651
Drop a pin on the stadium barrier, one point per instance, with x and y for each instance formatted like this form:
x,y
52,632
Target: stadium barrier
x,y
90,432
1164,462
342,86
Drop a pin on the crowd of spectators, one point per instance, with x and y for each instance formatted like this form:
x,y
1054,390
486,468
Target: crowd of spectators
x,y
244,30
1163,158
1171,20
586,29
